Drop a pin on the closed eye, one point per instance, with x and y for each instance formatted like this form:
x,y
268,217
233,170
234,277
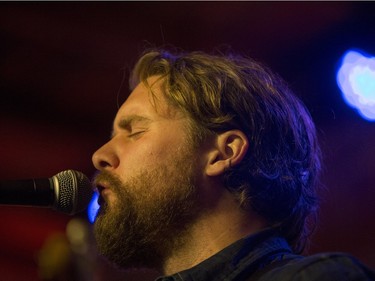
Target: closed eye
x,y
133,125
137,133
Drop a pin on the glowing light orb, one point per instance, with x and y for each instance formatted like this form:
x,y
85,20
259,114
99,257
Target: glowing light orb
x,y
356,79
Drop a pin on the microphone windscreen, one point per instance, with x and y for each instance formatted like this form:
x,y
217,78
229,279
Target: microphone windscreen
x,y
73,192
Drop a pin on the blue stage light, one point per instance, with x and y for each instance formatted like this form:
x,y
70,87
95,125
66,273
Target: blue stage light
x,y
356,79
93,207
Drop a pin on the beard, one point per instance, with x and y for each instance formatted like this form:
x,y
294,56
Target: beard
x,y
150,216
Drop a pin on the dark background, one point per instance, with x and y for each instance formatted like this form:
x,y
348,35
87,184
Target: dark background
x,y
61,69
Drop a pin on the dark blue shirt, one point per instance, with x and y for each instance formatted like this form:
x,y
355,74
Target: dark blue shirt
x,y
268,257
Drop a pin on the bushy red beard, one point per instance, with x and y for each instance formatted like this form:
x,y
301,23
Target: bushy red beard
x,y
151,214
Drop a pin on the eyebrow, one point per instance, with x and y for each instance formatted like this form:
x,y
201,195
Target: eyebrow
x,y
125,123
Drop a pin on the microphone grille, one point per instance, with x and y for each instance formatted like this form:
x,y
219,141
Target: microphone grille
x,y
73,192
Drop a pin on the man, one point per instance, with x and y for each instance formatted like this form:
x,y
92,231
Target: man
x,y
210,174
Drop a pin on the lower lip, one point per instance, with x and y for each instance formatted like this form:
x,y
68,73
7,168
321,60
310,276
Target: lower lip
x,y
103,190
105,194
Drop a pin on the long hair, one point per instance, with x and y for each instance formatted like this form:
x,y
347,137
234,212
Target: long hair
x,y
277,178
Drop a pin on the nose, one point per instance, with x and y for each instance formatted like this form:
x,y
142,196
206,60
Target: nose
x,y
105,158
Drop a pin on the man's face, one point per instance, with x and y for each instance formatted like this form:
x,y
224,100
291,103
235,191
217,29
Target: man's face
x,y
148,182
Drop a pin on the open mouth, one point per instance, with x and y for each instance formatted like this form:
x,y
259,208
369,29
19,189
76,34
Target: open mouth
x,y
100,190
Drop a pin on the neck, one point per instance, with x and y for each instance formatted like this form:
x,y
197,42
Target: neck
x,y
214,231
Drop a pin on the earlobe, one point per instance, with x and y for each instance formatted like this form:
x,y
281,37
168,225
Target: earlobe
x,y
230,148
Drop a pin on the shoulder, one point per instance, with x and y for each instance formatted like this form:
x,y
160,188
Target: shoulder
x,y
321,267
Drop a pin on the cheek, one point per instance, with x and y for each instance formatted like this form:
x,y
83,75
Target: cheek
x,y
144,155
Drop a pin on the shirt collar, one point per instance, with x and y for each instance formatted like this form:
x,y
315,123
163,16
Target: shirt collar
x,y
250,250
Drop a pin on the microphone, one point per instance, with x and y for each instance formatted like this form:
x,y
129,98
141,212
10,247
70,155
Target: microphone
x,y
68,192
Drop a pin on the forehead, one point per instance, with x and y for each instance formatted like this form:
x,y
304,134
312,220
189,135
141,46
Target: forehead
x,y
149,101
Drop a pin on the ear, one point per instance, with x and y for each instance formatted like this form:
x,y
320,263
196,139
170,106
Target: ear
x,y
230,148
